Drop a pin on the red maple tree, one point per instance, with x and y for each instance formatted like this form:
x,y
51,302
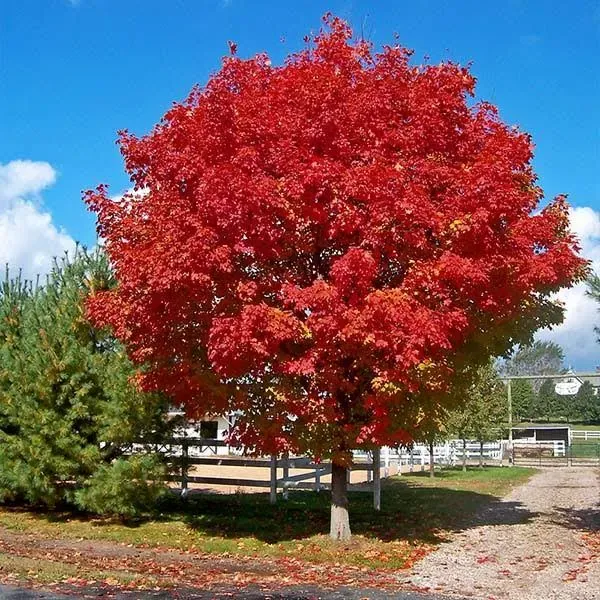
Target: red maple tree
x,y
329,246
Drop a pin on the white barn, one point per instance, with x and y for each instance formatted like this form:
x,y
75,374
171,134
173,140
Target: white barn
x,y
210,427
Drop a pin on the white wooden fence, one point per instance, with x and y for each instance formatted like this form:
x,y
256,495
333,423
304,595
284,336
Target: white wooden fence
x,y
447,454
183,453
555,448
585,435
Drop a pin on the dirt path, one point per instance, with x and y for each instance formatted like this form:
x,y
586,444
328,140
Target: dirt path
x,y
529,546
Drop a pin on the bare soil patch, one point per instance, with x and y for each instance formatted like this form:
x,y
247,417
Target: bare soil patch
x,y
357,477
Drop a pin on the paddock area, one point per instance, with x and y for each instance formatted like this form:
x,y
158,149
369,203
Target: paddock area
x,y
221,469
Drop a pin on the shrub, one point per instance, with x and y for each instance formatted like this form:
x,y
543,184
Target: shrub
x,y
128,488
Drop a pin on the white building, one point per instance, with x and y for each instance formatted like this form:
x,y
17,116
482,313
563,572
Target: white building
x,y
209,428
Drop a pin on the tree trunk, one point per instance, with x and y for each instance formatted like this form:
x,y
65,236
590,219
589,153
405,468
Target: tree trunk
x,y
340,521
481,455
431,464
464,460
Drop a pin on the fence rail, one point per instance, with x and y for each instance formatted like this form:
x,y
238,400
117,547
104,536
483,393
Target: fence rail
x,y
555,448
186,452
449,453
557,453
585,435
183,453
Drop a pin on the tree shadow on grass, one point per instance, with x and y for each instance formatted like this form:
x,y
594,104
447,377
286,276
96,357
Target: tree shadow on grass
x,y
408,512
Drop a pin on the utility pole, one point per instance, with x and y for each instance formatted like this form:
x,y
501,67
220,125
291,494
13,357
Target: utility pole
x,y
509,393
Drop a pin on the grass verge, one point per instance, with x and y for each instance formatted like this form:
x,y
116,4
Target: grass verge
x,y
22,569
417,513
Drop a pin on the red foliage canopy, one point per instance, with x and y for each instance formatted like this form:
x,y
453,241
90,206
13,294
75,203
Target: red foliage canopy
x,y
328,244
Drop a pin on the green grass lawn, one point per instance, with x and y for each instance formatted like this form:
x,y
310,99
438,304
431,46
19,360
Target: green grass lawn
x,y
574,426
417,512
585,449
21,569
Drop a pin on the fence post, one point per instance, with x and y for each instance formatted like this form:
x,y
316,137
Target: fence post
x,y
412,460
422,460
286,473
273,495
377,478
318,479
386,461
510,415
184,468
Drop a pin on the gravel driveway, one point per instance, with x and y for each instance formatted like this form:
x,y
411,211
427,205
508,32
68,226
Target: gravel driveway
x,y
526,547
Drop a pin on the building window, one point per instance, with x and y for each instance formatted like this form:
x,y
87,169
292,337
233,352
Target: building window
x,y
209,430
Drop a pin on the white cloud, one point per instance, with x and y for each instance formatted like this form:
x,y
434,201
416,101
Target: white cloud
x,y
576,335
23,178
28,238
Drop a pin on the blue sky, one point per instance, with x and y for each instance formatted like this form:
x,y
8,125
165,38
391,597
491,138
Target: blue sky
x,y
74,72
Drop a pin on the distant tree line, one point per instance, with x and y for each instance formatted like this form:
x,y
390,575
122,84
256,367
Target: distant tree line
x,y
536,399
546,405
483,415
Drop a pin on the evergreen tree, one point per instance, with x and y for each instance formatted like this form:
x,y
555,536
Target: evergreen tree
x,y
68,404
546,405
593,285
13,296
589,404
586,405
523,399
565,408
